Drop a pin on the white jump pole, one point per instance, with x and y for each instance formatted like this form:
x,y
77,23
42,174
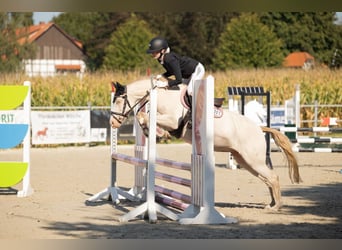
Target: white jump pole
x,y
113,192
150,207
140,151
202,210
27,189
110,191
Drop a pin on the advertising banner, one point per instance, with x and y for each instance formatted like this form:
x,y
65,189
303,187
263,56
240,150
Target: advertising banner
x,y
278,117
57,127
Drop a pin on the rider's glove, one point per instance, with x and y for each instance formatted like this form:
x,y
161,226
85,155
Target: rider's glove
x,y
158,77
162,84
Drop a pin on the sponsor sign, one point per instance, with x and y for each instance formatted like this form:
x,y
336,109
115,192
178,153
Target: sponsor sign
x,y
278,117
58,127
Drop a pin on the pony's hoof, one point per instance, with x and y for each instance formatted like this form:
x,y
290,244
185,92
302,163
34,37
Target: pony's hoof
x,y
163,133
275,208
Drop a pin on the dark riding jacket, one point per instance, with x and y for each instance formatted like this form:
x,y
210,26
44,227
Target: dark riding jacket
x,y
179,66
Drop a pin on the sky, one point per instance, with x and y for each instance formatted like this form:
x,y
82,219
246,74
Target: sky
x,y
47,16
44,16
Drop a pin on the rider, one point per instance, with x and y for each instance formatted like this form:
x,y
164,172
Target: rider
x,y
183,68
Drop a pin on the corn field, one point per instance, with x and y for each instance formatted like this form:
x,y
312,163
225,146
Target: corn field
x,y
321,85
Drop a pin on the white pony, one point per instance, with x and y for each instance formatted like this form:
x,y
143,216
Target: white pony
x,y
232,132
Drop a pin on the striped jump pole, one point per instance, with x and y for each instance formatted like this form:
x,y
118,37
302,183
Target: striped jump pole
x,y
317,140
170,197
173,179
141,163
167,200
174,194
202,208
150,207
163,195
313,129
313,150
314,140
174,164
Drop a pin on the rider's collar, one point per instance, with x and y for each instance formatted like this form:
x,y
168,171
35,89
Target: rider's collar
x,y
161,57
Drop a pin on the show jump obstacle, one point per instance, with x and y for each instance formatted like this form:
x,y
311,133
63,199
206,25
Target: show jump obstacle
x,y
15,130
200,208
313,140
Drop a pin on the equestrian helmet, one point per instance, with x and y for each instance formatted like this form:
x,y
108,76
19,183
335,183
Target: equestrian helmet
x,y
157,44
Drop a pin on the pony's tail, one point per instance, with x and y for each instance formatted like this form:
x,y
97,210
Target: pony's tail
x,y
284,143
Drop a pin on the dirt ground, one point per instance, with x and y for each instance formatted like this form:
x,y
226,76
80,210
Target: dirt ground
x,y
64,178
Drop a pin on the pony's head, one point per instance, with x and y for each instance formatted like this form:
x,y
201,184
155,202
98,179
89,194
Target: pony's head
x,y
124,102
118,109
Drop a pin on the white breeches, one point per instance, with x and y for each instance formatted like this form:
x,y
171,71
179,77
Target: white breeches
x,y
197,75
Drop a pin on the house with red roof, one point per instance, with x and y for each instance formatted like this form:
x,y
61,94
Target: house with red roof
x,y
56,52
299,60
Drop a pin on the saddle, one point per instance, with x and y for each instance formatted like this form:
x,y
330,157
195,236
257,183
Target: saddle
x,y
186,100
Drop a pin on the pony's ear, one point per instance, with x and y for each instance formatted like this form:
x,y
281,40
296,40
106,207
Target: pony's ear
x,y
118,88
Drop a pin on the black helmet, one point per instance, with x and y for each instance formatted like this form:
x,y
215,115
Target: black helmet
x,y
157,44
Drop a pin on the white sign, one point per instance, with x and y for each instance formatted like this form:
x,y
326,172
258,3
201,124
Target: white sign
x,y
277,117
55,127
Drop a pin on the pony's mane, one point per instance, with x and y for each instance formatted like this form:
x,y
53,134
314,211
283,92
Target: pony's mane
x,y
138,88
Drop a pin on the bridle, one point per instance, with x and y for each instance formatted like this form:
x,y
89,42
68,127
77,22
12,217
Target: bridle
x,y
124,114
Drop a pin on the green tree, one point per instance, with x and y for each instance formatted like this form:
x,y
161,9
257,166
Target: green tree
x,y
22,19
127,48
13,27
194,34
312,32
79,25
246,43
93,29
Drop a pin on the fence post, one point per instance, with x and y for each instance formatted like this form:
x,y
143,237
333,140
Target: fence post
x,y
297,106
316,115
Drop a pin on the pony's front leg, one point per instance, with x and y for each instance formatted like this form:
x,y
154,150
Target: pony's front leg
x,y
143,120
167,122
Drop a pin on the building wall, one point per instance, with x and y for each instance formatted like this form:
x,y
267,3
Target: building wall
x,y
55,45
55,49
46,68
